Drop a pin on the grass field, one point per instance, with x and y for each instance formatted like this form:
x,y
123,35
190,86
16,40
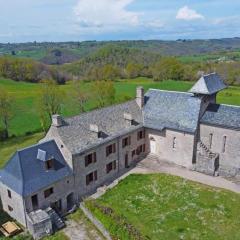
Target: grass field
x,y
168,207
25,96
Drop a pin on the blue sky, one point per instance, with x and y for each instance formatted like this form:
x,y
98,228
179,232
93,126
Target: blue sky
x,y
79,20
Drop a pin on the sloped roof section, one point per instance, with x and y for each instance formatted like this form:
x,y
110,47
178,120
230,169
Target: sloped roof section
x,y
208,85
222,115
26,174
172,110
78,137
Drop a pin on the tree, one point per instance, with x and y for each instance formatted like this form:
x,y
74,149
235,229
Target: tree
x,y
51,98
5,112
168,68
133,70
81,95
103,92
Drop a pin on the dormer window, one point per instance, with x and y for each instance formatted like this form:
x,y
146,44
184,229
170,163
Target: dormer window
x,y
49,164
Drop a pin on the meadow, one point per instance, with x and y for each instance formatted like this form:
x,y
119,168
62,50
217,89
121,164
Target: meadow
x,y
25,97
161,206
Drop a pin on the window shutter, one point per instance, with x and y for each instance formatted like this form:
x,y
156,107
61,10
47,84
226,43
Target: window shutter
x,y
94,157
86,161
106,151
144,147
87,180
129,140
114,147
143,133
114,165
123,145
95,175
138,135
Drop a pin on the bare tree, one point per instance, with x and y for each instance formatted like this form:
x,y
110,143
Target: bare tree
x,y
81,95
103,92
5,111
51,99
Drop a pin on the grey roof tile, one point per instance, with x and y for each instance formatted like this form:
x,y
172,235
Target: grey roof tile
x,y
26,174
76,133
208,84
222,115
172,110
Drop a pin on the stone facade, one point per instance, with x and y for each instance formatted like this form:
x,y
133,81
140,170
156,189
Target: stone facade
x,y
14,204
226,143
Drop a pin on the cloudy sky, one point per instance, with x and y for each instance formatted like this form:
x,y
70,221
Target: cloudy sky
x,y
78,20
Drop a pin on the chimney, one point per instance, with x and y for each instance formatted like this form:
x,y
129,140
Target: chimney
x,y
57,120
140,96
128,118
94,128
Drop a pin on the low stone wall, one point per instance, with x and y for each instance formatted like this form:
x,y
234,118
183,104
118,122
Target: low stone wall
x,y
97,223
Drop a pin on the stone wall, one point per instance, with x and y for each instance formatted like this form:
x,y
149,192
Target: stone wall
x,y
80,170
229,160
61,190
181,155
15,202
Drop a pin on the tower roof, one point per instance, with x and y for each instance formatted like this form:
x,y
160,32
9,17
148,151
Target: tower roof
x,y
208,85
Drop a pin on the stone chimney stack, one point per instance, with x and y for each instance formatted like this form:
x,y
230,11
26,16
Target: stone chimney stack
x,y
57,120
140,96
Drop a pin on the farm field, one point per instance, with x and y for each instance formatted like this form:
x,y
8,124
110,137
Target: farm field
x,y
25,97
161,206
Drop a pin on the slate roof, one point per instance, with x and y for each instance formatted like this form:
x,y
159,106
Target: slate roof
x,y
25,174
172,110
222,115
208,85
76,134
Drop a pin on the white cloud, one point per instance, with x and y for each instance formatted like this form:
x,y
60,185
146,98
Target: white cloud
x,y
188,14
156,24
105,14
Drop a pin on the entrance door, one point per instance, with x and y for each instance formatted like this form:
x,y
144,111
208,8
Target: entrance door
x,y
126,161
57,206
70,201
152,145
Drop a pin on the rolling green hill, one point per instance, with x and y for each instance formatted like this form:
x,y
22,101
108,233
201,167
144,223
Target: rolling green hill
x,y
71,51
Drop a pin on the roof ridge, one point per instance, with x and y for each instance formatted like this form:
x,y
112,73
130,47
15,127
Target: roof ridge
x,y
99,109
161,90
21,168
229,105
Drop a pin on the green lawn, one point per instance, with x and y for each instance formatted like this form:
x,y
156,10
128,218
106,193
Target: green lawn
x,y
9,147
160,206
25,96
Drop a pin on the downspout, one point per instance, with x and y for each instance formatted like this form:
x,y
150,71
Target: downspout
x,y
25,212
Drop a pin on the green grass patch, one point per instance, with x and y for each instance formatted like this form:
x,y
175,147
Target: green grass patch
x,y
25,97
160,206
9,147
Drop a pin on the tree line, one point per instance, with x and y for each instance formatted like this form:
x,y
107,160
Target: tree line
x,y
28,70
113,62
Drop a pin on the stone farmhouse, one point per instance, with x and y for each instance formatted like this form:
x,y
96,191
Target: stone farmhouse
x,y
81,153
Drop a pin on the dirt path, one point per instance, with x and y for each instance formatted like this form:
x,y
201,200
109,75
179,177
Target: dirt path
x,y
153,165
81,230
